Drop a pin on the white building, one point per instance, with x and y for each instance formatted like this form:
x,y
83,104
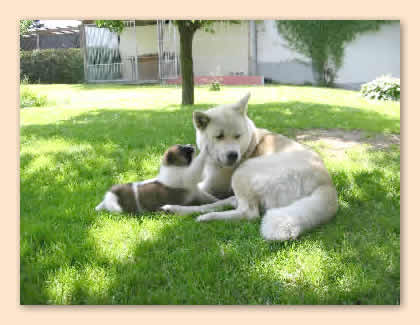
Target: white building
x,y
235,52
370,55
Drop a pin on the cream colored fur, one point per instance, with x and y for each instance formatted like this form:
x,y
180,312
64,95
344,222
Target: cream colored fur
x,y
273,174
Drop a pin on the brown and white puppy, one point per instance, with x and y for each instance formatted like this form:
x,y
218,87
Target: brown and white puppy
x,y
176,183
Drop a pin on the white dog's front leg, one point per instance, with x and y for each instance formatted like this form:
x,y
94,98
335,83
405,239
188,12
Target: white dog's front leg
x,y
186,210
232,215
229,215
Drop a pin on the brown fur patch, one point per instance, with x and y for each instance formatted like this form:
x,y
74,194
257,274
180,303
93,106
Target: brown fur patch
x,y
266,145
154,195
126,197
175,156
269,143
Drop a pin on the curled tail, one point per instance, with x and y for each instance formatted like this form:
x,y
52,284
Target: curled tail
x,y
290,221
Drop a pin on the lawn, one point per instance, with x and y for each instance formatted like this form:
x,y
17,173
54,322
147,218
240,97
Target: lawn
x,y
89,137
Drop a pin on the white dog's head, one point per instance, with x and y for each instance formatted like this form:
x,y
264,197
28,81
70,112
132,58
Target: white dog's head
x,y
226,130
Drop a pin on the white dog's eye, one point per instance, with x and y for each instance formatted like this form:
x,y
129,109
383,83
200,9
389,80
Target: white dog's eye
x,y
237,136
219,137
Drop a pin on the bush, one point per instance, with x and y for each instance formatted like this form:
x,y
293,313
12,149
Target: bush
x,y
382,88
29,98
215,86
52,66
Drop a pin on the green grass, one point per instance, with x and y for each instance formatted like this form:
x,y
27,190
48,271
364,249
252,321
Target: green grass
x,y
29,98
95,136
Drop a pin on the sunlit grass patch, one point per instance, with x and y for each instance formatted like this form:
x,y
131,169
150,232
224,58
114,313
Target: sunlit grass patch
x,y
88,285
116,239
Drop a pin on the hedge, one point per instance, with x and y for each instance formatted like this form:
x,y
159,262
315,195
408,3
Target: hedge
x,y
52,66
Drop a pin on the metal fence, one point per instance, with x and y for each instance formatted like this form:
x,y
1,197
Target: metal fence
x,y
103,59
109,59
167,50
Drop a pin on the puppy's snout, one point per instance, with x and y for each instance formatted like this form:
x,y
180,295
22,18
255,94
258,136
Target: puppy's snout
x,y
232,157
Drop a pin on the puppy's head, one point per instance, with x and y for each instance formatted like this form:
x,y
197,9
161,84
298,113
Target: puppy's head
x,y
178,155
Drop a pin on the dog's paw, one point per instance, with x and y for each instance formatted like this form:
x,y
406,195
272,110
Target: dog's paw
x,y
175,209
205,217
169,208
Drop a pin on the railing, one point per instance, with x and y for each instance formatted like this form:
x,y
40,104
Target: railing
x,y
98,72
122,71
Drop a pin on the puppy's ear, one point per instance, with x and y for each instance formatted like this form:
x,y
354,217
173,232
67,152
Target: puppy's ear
x,y
200,119
242,105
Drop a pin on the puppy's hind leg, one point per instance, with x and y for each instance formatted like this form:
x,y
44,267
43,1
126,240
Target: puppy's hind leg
x,y
186,210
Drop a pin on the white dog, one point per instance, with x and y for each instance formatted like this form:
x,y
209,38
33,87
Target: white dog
x,y
177,183
266,171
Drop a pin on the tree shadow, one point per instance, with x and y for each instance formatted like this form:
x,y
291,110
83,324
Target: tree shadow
x,y
188,262
276,116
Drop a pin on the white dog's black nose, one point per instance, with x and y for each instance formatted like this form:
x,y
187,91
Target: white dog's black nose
x,y
232,156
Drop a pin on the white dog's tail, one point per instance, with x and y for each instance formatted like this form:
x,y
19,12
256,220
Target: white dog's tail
x,y
290,221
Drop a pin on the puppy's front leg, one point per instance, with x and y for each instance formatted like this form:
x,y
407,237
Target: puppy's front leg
x,y
194,172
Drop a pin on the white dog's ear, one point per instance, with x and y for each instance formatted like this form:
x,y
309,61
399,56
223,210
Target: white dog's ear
x,y
200,119
242,105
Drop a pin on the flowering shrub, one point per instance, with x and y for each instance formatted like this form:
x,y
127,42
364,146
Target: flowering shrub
x,y
382,88
29,98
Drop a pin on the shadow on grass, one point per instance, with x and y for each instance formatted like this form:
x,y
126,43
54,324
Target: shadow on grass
x,y
117,124
352,260
355,257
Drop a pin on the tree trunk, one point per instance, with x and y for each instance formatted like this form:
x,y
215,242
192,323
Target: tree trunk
x,y
186,38
318,69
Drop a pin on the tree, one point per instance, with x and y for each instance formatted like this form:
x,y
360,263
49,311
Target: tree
x,y
24,26
113,25
186,29
323,42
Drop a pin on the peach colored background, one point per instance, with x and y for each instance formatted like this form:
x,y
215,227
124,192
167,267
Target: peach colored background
x,y
13,313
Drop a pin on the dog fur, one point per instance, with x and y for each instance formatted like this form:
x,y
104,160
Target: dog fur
x,y
267,172
177,183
